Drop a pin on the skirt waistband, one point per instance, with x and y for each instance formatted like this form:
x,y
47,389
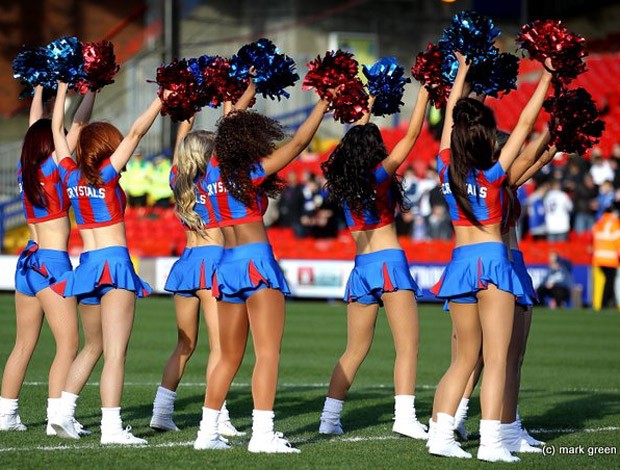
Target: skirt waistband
x,y
478,250
251,250
381,256
105,253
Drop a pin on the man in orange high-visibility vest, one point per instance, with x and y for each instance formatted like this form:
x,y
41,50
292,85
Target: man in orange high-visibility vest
x,y
605,258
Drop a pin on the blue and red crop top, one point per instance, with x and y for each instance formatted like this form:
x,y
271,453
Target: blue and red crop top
x,y
484,188
94,206
56,200
202,207
385,205
227,209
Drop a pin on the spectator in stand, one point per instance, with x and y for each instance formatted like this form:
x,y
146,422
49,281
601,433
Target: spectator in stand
x,y
290,206
159,189
615,158
136,180
404,220
605,250
312,200
556,284
558,208
605,198
536,212
439,224
584,197
573,177
600,170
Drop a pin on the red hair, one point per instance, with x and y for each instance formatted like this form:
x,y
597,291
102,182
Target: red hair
x,y
97,142
38,146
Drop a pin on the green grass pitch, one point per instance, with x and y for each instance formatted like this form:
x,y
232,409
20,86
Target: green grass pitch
x,y
570,393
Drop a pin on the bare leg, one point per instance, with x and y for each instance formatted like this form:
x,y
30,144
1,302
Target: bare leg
x,y
402,314
29,319
233,327
87,358
61,315
209,311
361,320
186,311
266,313
117,312
496,309
450,390
513,367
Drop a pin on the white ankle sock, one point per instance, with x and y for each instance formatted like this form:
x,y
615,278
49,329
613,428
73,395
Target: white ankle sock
x,y
111,420
262,421
9,406
461,412
164,401
404,407
490,432
224,414
53,407
68,402
332,409
208,424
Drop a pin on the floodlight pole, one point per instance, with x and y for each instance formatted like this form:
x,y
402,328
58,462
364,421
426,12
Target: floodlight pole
x,y
171,51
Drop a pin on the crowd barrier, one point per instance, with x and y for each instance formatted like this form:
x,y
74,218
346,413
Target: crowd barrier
x,y
317,279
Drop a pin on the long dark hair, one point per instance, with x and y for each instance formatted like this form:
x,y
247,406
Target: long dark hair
x,y
472,147
243,139
38,146
348,170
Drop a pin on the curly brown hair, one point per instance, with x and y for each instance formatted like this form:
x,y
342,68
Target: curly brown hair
x,y
243,139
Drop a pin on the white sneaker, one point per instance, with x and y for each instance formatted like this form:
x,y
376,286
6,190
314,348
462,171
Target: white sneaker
x,y
209,442
11,423
226,428
272,443
496,454
63,426
123,438
529,439
511,439
410,428
330,427
81,430
441,439
163,423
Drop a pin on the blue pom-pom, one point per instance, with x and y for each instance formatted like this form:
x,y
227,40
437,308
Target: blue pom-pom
x,y
273,71
387,84
495,75
471,34
30,67
449,67
197,65
65,59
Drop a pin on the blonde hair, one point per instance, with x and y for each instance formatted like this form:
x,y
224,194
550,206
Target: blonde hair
x,y
194,152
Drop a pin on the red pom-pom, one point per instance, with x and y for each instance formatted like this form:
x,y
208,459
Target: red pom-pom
x,y
544,39
99,67
329,72
350,102
575,124
427,70
219,85
185,97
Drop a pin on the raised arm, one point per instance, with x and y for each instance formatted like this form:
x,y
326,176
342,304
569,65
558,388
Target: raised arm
x,y
184,128
61,146
140,127
36,107
402,148
80,119
366,117
526,122
455,94
528,157
544,159
284,155
247,97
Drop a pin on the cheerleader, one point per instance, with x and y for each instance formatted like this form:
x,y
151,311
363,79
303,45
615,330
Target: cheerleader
x,y
248,283
190,277
479,283
105,277
515,437
361,178
41,263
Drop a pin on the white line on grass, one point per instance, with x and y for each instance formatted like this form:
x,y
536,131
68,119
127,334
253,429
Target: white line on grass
x,y
333,440
325,385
